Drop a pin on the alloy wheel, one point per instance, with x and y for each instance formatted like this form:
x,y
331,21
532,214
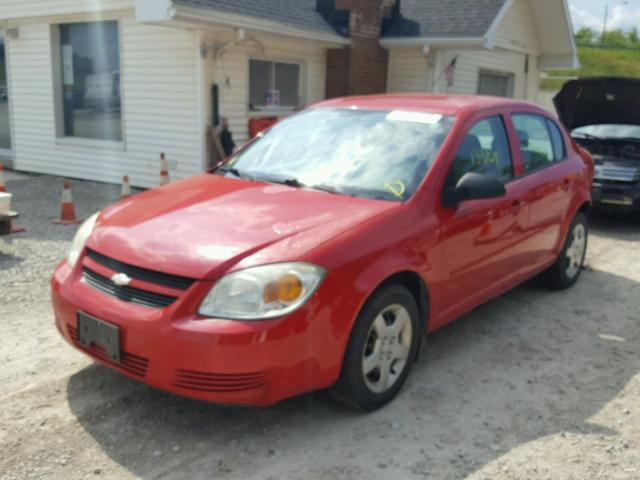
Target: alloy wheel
x,y
576,250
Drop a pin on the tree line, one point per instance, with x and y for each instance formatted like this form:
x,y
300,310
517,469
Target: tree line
x,y
588,37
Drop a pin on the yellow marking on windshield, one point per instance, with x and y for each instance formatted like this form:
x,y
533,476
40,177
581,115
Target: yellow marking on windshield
x,y
397,187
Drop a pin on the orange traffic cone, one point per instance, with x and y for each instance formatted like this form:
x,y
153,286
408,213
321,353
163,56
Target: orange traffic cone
x,y
164,170
126,187
67,208
2,187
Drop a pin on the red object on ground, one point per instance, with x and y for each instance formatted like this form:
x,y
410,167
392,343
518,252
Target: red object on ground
x,y
67,207
258,125
172,245
2,186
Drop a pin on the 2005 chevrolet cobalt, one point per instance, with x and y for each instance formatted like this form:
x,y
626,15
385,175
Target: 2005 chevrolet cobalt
x,y
318,255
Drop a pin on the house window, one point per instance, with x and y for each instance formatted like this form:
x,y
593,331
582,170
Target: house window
x,y
496,84
274,85
90,81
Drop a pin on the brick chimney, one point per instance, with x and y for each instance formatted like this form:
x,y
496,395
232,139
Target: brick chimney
x,y
361,68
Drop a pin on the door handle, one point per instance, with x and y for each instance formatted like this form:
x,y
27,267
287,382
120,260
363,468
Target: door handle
x,y
516,205
566,183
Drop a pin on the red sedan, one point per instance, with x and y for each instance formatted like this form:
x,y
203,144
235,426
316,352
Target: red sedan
x,y
321,253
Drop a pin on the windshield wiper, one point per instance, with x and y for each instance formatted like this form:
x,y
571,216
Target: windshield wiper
x,y
235,172
295,183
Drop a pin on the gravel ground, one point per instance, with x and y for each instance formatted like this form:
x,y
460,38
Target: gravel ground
x,y
534,385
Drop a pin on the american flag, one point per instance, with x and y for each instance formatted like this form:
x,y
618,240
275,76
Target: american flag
x,y
450,72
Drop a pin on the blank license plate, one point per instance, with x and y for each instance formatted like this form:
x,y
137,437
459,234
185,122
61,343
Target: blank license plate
x,y
626,201
92,331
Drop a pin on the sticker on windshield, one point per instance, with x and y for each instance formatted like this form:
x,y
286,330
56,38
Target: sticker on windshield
x,y
414,117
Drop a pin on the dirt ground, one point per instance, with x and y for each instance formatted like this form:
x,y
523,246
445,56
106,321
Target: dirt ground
x,y
534,385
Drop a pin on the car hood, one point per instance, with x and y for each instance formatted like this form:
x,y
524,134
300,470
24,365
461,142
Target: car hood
x,y
206,224
597,101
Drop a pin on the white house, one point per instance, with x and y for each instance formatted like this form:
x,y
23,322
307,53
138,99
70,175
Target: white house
x,y
96,89
501,46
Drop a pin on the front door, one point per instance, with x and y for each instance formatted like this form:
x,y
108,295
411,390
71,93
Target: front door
x,y
480,238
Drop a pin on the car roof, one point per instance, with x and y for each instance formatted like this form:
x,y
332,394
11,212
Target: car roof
x,y
450,105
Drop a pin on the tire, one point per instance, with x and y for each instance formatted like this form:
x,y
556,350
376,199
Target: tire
x,y
565,272
386,338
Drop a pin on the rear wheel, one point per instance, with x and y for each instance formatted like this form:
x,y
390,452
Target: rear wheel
x,y
566,271
381,350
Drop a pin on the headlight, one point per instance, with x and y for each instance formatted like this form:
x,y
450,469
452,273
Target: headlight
x,y
263,292
80,239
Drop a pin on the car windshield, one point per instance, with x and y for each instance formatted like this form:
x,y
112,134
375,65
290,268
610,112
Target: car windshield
x,y
608,131
365,153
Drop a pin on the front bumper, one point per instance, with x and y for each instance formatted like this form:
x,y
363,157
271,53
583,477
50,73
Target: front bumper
x,y
616,195
222,361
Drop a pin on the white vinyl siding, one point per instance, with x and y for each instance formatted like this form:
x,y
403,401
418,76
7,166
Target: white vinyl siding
x,y
232,75
408,71
517,29
16,9
472,62
160,105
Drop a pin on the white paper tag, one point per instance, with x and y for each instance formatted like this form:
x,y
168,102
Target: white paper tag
x,y
414,117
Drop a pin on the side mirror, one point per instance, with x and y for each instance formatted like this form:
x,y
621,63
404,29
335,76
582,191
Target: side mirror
x,y
474,186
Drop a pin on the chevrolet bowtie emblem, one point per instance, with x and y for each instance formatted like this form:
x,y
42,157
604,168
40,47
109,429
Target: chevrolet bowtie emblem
x,y
121,279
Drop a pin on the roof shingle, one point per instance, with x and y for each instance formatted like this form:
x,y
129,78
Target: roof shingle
x,y
298,13
444,18
418,18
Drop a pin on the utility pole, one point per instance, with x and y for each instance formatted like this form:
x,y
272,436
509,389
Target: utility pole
x,y
604,24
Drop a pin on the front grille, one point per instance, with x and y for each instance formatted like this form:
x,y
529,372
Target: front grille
x,y
129,363
617,174
127,294
151,276
218,383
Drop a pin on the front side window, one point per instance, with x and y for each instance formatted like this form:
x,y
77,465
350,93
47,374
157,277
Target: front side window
x,y
376,154
274,85
485,149
536,145
90,70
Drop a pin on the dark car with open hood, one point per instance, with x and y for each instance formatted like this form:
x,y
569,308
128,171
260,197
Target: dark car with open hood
x,y
603,116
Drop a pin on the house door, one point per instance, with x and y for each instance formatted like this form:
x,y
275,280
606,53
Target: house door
x,y
5,114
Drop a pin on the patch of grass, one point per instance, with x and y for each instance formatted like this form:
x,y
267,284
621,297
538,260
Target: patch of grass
x,y
599,62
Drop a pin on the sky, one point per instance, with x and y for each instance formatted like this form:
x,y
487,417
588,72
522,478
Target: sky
x,y
623,14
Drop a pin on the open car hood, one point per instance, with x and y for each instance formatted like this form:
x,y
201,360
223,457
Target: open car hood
x,y
597,101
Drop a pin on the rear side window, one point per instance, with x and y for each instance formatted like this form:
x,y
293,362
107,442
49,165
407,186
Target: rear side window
x,y
485,149
559,149
535,141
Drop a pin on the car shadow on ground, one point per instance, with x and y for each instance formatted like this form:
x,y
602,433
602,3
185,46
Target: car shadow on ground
x,y
529,364
615,225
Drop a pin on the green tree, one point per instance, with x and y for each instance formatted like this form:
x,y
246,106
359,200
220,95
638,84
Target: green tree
x,y
615,39
586,37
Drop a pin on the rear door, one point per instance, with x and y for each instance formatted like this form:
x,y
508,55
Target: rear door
x,y
547,182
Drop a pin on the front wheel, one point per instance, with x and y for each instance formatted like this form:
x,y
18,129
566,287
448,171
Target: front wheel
x,y
381,350
566,271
